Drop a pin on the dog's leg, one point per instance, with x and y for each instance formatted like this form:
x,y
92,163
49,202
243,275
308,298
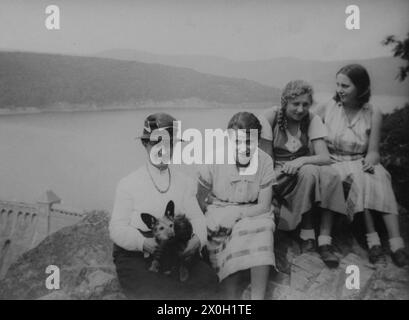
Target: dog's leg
x,y
155,265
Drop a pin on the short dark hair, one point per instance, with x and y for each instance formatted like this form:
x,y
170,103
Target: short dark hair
x,y
360,78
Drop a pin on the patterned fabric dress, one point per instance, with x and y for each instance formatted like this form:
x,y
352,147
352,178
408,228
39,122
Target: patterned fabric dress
x,y
348,144
313,185
250,241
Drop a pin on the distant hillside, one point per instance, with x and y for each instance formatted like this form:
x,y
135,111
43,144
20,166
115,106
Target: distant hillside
x,y
277,72
43,80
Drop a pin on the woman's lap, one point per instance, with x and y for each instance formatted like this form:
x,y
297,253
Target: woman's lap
x,y
301,199
316,186
139,283
250,244
365,190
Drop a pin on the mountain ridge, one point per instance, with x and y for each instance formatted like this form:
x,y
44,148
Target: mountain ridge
x,y
278,71
42,80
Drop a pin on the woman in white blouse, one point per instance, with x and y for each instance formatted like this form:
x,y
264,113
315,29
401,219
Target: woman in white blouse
x,y
148,190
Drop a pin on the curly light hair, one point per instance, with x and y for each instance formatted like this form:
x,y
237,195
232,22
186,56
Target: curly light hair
x,y
292,90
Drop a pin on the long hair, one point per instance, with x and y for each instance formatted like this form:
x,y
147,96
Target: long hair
x,y
291,91
360,78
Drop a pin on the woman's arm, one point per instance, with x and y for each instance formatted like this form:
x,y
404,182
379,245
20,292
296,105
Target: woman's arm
x,y
263,204
372,157
266,146
194,212
321,153
266,135
320,157
120,230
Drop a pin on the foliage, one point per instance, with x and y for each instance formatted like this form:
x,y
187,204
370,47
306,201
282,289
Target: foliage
x,y
395,151
400,50
395,130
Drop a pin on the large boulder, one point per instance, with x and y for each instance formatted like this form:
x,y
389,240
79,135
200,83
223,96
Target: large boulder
x,y
305,276
82,252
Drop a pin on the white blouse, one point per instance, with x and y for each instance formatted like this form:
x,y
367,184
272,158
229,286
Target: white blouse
x,y
136,194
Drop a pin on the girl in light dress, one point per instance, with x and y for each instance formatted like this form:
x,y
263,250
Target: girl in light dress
x,y
354,127
236,199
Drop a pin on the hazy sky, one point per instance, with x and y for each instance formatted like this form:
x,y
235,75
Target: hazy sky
x,y
235,29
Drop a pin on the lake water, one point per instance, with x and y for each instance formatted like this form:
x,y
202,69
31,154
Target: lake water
x,y
82,155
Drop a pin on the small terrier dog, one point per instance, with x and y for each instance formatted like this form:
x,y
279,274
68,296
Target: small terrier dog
x,y
172,234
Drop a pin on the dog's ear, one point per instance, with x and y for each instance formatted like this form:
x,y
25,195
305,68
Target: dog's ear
x,y
170,210
149,220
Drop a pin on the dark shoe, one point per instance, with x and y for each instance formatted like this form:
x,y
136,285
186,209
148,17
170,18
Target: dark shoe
x,y
375,254
308,245
327,255
400,258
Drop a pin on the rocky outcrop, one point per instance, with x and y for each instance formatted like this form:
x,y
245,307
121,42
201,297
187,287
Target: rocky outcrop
x,y
83,253
305,276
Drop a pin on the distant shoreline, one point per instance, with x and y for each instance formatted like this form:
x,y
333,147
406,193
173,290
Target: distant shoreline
x,y
177,104
385,102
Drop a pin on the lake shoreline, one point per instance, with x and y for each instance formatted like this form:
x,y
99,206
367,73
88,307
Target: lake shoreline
x,y
177,104
385,102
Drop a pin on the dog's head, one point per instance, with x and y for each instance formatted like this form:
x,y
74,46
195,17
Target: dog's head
x,y
163,228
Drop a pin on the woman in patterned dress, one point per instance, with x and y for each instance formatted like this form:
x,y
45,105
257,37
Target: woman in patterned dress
x,y
236,198
353,140
305,179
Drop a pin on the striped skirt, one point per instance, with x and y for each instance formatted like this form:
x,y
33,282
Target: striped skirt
x,y
248,244
364,190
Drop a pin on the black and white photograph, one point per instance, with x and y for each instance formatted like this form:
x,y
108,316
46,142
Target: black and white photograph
x,y
219,151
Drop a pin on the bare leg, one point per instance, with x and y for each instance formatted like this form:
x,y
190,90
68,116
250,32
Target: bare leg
x,y
326,222
231,287
392,224
306,222
369,224
259,279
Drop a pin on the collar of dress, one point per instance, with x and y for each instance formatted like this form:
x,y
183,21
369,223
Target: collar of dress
x,y
243,174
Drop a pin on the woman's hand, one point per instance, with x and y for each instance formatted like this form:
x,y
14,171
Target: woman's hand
x,y
209,199
292,167
150,245
192,247
371,160
230,218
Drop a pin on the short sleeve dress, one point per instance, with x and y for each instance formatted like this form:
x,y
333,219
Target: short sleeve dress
x,y
250,242
348,144
313,185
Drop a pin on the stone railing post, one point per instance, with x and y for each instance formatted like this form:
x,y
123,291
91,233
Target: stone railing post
x,y
43,228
